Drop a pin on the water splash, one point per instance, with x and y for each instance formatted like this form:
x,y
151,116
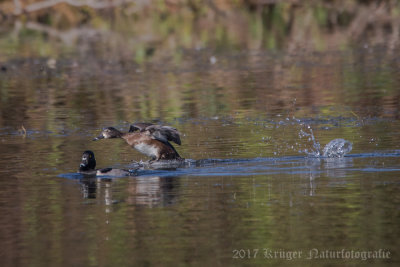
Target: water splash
x,y
316,150
337,148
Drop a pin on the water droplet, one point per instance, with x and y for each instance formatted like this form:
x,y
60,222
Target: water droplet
x,y
213,60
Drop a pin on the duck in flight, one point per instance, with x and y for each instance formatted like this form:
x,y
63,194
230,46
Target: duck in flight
x,y
149,139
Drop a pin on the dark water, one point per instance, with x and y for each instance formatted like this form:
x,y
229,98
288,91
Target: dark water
x,y
255,196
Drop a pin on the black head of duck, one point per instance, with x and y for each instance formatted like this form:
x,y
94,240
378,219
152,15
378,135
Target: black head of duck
x,y
88,162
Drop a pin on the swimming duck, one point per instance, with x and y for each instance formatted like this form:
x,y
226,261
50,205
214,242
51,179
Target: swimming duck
x,y
88,165
149,139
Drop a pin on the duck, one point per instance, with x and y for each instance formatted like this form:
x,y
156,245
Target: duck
x,y
88,167
149,139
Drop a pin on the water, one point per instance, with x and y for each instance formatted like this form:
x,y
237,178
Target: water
x,y
337,148
256,128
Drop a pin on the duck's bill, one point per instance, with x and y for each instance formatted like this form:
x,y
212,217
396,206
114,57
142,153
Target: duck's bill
x,y
98,138
83,165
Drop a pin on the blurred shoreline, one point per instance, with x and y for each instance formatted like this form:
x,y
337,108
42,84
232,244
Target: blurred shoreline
x,y
147,30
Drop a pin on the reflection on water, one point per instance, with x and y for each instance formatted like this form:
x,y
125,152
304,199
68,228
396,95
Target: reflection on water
x,y
336,167
151,191
250,185
148,191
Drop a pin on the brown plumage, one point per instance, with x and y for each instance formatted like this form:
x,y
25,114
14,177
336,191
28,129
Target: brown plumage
x,y
149,139
158,132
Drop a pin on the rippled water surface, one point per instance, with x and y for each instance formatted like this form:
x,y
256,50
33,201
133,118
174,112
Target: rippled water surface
x,y
254,184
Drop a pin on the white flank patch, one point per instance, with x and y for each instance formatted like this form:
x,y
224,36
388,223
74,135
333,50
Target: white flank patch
x,y
146,149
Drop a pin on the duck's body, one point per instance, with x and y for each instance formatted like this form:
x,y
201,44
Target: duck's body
x,y
88,167
114,172
149,139
153,148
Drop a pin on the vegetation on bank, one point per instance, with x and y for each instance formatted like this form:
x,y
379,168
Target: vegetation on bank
x,y
146,29
167,59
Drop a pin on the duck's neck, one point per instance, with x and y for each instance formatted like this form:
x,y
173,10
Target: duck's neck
x,y
123,135
85,169
89,167
117,134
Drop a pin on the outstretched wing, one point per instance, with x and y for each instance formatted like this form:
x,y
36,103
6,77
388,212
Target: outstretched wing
x,y
164,133
140,126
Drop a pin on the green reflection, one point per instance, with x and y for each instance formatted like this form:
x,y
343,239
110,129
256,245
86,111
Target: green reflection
x,y
239,80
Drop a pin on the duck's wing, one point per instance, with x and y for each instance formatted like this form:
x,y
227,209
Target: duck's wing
x,y
164,133
140,126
